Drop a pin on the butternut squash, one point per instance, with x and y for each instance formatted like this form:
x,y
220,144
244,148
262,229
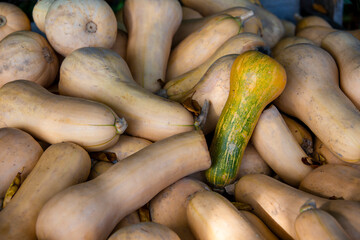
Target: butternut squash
x,y
39,13
189,13
333,180
190,26
145,231
19,152
273,29
120,43
214,86
101,75
311,21
151,25
169,206
278,147
12,19
255,80
301,134
289,28
212,216
278,204
90,124
70,25
316,224
345,49
130,219
201,44
27,55
99,168
60,166
315,33
286,42
313,96
238,44
259,225
131,182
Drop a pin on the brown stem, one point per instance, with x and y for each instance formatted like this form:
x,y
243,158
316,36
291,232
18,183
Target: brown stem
x,y
91,27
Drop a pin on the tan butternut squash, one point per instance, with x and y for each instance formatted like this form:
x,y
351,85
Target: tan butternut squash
x,y
333,180
70,25
313,96
90,124
286,42
190,26
289,28
101,75
316,224
311,21
60,166
130,219
278,204
214,86
145,231
345,49
99,168
169,206
301,134
131,182
19,152
259,225
120,43
273,29
201,44
324,155
12,19
189,13
238,44
39,13
212,216
32,58
279,148
120,20
151,25
315,33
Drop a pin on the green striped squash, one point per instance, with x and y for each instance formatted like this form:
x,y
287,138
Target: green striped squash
x,y
255,80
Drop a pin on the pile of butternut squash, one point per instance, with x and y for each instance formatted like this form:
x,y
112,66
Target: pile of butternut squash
x,y
191,119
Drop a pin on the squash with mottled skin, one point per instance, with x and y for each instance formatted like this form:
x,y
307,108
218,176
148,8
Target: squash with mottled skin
x,y
255,80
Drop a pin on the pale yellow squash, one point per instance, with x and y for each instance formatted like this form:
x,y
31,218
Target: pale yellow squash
x,y
12,19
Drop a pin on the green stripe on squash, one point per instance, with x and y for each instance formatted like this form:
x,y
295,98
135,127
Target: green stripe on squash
x,y
255,80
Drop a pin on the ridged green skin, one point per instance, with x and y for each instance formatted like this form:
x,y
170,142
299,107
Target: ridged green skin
x,y
255,80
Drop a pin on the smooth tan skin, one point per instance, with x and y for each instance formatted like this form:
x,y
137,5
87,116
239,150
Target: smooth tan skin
x,y
345,49
258,224
315,33
189,13
145,231
12,19
286,42
169,206
19,152
101,75
252,162
317,224
151,25
130,219
211,216
311,21
189,26
90,124
81,23
273,29
238,44
278,204
278,147
301,134
214,87
59,167
120,43
27,55
198,46
289,28
39,13
131,182
312,95
99,168
333,180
